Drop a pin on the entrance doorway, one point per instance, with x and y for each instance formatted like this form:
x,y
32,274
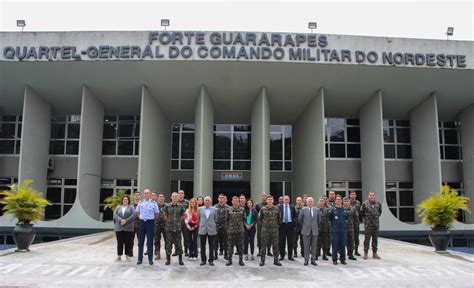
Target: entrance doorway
x,y
230,189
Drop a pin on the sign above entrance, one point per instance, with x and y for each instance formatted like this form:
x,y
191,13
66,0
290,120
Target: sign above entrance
x,y
231,176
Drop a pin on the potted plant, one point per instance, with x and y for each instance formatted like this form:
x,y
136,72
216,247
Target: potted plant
x,y
440,211
26,205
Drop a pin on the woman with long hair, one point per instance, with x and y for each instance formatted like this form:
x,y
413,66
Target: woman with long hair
x,y
192,225
249,236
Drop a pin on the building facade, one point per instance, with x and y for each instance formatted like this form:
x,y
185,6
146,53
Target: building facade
x,y
84,114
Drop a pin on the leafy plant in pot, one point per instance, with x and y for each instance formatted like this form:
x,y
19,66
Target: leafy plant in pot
x,y
26,205
440,211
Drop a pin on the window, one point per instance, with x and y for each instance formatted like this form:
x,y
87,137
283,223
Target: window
x,y
10,134
182,147
232,147
121,135
62,194
397,139
281,147
450,140
186,186
344,188
5,183
278,189
110,187
460,188
342,138
400,200
64,138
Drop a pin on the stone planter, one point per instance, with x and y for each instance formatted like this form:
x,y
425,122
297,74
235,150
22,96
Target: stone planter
x,y
440,238
24,236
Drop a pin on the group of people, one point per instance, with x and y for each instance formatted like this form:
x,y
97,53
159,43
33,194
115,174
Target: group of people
x,y
326,228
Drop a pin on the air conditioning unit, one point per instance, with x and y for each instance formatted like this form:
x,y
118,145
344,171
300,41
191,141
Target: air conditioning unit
x,y
50,164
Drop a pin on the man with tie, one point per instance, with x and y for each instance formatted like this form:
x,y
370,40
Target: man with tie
x,y
207,218
309,218
146,212
287,228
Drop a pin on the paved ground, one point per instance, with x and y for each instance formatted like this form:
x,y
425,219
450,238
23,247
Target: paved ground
x,y
89,261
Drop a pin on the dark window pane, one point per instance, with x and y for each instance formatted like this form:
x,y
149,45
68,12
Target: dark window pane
x,y
355,185
174,185
222,146
122,182
391,198
18,131
53,194
336,129
69,195
110,131
8,118
406,197
242,146
72,147
338,150
326,150
242,128
66,209
441,151
451,137
407,214
405,185
187,146
404,151
288,166
389,151
52,212
188,127
58,131
403,135
7,146
175,146
110,118
353,134
56,147
126,118
108,148
276,190
449,124
174,164
125,131
125,148
440,135
7,130
241,165
137,147
451,152
70,182
352,122
137,130
73,131
403,123
187,164
276,146
104,193
276,165
221,165
288,189
388,135
394,211
353,150
176,127
287,148
18,146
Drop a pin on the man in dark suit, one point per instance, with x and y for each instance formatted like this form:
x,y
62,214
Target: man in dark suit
x,y
287,227
309,219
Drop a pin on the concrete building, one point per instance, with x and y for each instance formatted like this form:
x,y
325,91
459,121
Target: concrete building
x,y
86,113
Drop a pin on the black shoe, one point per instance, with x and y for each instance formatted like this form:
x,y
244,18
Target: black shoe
x,y
352,258
202,263
241,262
236,253
139,262
343,262
146,253
262,262
181,260
305,263
150,262
328,254
357,253
314,263
229,262
291,258
168,259
334,262
186,254
325,258
277,263
211,263
259,254
215,257
296,255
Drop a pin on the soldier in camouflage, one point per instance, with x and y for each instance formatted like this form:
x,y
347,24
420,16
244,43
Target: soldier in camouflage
x,y
173,214
221,226
356,204
160,226
235,222
352,217
270,219
258,207
184,230
332,198
324,229
370,212
297,234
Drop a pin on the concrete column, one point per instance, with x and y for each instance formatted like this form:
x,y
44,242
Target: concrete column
x,y
89,168
203,145
467,140
425,150
372,147
35,134
260,155
309,151
155,146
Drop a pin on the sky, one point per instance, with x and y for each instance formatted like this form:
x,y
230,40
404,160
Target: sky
x,y
407,19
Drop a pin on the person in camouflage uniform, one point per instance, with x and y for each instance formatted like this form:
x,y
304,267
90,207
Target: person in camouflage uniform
x,y
173,214
356,204
352,217
221,226
332,198
270,219
370,212
136,200
324,229
235,222
297,235
160,227
258,207
184,230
